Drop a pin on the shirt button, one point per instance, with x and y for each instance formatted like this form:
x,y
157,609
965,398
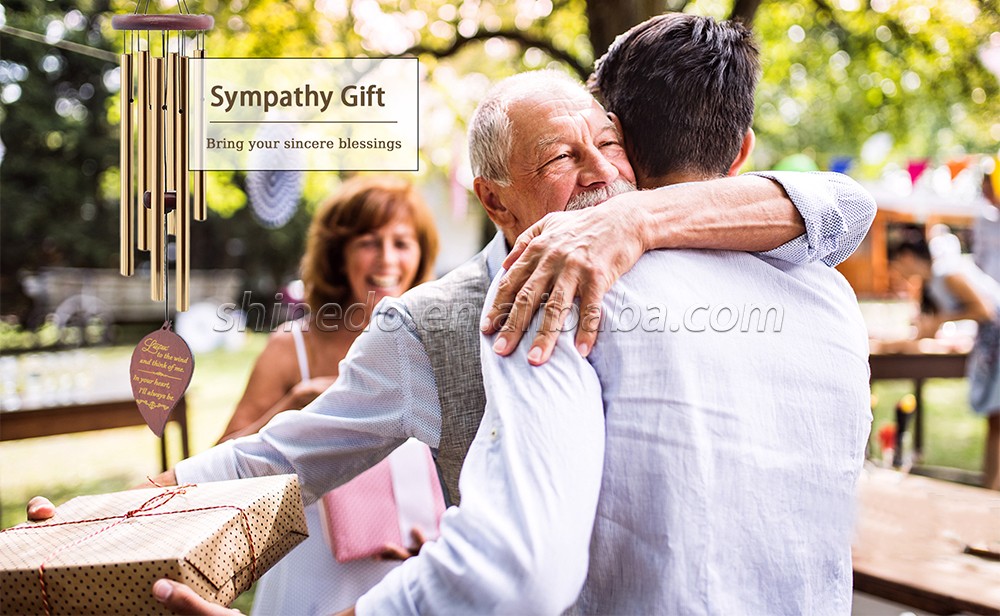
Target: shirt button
x,y
494,434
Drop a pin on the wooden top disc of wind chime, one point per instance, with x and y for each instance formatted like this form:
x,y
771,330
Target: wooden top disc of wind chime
x,y
156,193
177,21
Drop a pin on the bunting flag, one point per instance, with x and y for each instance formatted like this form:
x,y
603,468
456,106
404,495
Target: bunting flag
x,y
916,168
995,176
958,165
840,164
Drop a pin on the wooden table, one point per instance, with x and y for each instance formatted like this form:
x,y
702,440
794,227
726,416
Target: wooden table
x,y
918,367
98,415
910,539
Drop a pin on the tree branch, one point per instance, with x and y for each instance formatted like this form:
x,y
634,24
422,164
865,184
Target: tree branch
x,y
523,39
843,34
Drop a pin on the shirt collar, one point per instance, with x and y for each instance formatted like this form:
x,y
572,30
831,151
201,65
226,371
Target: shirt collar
x,y
496,252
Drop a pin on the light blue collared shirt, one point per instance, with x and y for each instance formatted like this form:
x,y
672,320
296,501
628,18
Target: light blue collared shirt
x,y
728,403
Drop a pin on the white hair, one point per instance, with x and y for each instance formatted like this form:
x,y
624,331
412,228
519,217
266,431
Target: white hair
x,y
491,134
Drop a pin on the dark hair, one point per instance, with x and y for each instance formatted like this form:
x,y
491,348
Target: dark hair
x,y
683,88
909,239
361,205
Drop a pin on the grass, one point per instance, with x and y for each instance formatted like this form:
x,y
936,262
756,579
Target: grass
x,y
953,436
61,467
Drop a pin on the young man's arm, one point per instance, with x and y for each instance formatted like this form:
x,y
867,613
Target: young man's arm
x,y
519,542
795,217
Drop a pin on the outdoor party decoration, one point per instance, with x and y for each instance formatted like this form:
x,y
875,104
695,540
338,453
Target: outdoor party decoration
x,y
160,373
959,164
101,554
840,164
274,195
995,176
156,198
916,168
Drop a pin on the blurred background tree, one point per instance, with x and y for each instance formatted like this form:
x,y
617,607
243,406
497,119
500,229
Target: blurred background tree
x,y
835,73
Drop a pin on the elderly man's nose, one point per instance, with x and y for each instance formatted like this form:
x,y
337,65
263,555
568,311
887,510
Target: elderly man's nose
x,y
597,170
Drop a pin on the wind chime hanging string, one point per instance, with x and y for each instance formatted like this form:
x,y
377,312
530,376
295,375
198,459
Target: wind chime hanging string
x,y
156,196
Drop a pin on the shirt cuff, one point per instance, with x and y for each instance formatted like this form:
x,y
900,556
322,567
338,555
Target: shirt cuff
x,y
818,206
215,464
386,597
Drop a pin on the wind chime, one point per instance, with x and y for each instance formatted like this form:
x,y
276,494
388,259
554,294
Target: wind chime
x,y
157,199
156,196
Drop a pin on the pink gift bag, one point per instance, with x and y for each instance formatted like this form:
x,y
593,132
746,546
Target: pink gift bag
x,y
383,504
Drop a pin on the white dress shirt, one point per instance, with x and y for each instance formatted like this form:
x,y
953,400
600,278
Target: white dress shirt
x,y
730,465
986,240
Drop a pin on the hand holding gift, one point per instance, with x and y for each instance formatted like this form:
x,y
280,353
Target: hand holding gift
x,y
101,554
180,599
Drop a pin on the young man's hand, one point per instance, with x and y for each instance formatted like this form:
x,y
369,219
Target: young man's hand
x,y
180,599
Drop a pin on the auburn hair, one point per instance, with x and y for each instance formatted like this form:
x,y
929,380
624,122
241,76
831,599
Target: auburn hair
x,y
361,205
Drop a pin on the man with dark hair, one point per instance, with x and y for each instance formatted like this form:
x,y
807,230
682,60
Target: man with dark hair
x,y
683,91
698,95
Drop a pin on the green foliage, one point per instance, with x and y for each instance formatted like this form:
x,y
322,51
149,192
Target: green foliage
x,y
58,144
834,73
835,76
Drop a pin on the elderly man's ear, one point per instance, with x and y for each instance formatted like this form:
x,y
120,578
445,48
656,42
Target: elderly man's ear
x,y
749,140
495,209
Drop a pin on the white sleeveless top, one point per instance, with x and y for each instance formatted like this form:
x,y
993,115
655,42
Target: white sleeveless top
x,y
309,581
300,350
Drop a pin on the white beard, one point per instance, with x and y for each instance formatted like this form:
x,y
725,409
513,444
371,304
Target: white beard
x,y
599,195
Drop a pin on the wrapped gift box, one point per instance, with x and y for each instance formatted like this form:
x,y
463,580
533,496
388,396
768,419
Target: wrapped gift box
x,y
384,504
101,554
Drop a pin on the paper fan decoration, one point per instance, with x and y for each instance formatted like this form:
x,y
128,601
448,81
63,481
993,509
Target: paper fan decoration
x,y
274,196
275,185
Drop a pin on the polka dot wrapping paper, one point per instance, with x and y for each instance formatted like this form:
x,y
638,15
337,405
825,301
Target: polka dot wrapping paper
x,y
101,554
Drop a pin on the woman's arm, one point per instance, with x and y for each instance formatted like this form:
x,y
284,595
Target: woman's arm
x,y
974,306
267,392
300,395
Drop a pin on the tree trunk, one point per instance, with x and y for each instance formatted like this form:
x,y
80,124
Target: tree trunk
x,y
609,18
744,10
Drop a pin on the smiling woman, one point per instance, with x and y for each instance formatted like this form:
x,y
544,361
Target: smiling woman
x,y
374,238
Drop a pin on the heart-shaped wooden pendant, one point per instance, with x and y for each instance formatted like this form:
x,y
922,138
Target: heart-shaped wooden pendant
x,y
161,370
